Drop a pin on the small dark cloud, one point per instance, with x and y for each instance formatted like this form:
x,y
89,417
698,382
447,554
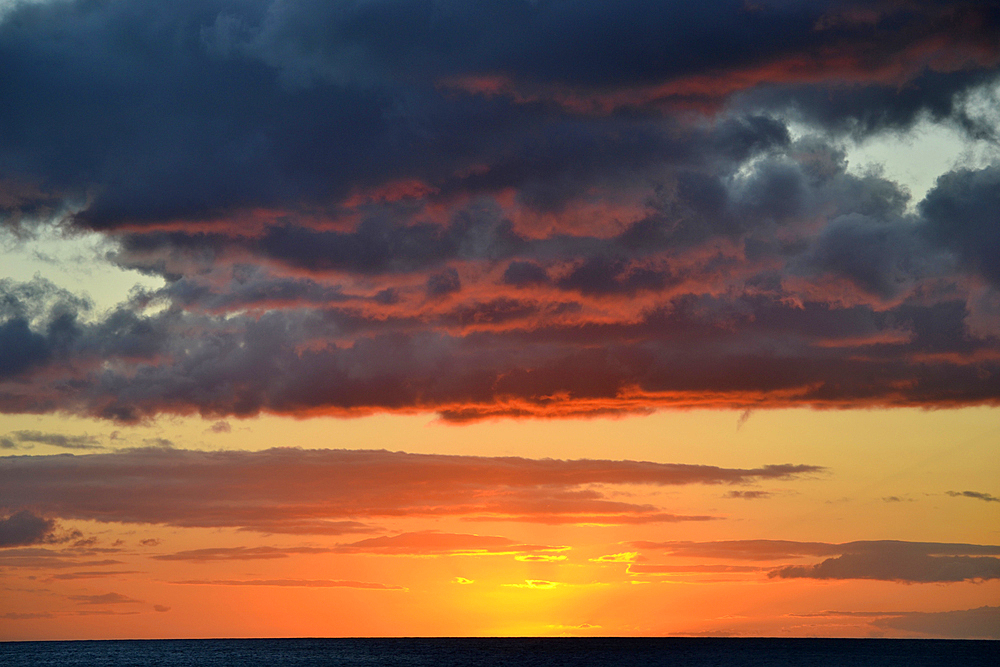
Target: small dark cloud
x,y
149,542
220,427
601,276
974,494
524,274
54,440
749,495
961,212
23,528
107,598
160,608
981,623
443,283
901,561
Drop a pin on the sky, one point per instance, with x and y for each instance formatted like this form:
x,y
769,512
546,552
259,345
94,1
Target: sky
x,y
499,318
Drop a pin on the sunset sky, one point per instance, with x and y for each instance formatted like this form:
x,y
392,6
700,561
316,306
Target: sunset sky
x,y
499,317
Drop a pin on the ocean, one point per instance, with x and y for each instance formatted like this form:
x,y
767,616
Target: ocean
x,y
479,652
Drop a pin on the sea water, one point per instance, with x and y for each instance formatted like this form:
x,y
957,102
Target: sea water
x,y
530,652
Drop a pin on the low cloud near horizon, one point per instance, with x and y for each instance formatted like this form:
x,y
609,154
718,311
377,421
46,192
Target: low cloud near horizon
x,y
882,560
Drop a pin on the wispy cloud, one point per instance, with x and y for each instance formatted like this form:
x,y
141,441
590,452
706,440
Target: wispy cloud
x,y
978,495
340,491
295,583
885,560
106,598
18,439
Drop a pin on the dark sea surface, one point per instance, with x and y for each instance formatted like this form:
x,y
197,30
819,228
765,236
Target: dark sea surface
x,y
617,652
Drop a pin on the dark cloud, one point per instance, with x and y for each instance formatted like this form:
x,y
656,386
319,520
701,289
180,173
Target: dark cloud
x,y
884,560
23,528
896,563
962,213
749,495
600,276
523,274
220,427
981,623
229,107
53,439
333,491
399,206
978,495
443,283
22,347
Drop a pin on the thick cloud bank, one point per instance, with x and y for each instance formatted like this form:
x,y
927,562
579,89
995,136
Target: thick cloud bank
x,y
500,208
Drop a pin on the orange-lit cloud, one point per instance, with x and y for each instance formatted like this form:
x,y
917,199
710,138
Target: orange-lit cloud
x,y
339,491
296,583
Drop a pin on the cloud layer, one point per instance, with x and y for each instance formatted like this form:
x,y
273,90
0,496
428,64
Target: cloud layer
x,y
512,209
883,560
338,491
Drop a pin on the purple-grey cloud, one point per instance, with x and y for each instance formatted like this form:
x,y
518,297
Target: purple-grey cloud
x,y
23,528
403,206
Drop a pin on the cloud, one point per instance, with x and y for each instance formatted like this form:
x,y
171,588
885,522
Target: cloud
x,y
749,495
435,543
239,553
296,583
624,557
980,623
107,598
337,491
883,560
220,427
376,207
538,584
978,495
896,563
16,438
646,568
23,528
961,213
93,574
42,559
742,549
